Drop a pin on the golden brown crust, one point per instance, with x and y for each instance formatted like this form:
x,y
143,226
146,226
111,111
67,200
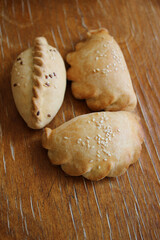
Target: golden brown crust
x,y
95,145
100,74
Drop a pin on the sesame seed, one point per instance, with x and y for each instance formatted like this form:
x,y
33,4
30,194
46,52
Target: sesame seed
x,y
94,70
91,161
89,121
118,130
97,58
108,153
88,137
99,167
106,118
97,69
98,155
93,146
98,151
83,143
93,119
79,139
65,137
88,146
97,51
104,45
105,159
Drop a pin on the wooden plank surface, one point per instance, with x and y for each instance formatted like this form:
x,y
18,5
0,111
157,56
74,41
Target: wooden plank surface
x,y
37,200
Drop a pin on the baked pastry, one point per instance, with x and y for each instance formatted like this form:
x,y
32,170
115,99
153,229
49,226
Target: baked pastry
x,y
95,145
100,74
38,82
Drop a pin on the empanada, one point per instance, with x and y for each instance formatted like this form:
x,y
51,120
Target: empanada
x,y
100,74
38,82
95,145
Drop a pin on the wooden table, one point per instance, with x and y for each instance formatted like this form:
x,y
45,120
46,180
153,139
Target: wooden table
x,y
37,200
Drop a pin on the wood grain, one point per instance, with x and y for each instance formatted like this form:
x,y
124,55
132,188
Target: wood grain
x,y
37,200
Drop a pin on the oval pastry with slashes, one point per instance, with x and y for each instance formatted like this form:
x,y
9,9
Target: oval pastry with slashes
x,y
100,74
95,145
38,82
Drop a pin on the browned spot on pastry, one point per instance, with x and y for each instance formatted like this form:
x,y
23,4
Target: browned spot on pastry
x,y
49,115
38,61
38,54
50,75
46,76
21,63
37,71
38,113
37,83
36,90
37,48
15,85
18,59
54,74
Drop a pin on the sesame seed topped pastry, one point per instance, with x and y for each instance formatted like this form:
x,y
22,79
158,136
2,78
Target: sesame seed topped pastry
x,y
95,145
38,82
100,74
